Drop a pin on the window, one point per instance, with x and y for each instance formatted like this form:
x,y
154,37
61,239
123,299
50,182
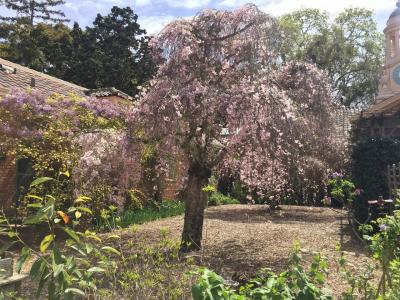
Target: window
x,y
24,176
392,47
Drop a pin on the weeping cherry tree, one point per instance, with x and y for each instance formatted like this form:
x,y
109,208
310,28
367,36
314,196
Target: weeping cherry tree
x,y
217,102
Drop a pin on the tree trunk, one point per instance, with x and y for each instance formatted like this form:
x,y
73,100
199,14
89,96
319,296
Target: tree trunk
x,y
196,201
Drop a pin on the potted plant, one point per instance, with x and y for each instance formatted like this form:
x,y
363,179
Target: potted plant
x,y
6,265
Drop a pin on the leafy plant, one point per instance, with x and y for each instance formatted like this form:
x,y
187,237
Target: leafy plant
x,y
296,283
360,282
211,286
341,189
67,274
385,247
148,269
109,219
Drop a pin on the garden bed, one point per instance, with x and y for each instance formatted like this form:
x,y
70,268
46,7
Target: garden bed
x,y
241,239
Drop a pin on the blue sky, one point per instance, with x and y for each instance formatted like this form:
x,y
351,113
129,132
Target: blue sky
x,y
153,14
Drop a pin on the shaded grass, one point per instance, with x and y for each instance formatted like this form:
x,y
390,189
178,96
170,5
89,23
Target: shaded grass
x,y
156,211
164,210
218,199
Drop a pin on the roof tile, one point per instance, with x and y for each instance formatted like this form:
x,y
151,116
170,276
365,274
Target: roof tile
x,y
45,84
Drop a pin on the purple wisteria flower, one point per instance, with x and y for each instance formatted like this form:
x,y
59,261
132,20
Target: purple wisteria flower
x,y
383,227
337,175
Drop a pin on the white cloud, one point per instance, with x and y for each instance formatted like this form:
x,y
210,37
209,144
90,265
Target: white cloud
x,y
141,2
153,24
333,7
279,7
188,3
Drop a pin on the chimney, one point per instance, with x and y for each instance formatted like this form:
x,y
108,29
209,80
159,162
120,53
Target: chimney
x,y
33,82
7,69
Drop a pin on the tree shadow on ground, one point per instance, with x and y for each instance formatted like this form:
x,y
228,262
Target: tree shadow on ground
x,y
350,242
261,214
230,258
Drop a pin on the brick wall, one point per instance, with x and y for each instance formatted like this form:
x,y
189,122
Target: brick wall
x,y
175,179
170,187
7,183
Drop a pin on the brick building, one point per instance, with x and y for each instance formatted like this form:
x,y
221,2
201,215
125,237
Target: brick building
x,y
14,76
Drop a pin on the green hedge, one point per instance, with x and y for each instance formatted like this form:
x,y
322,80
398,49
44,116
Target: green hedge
x,y
370,159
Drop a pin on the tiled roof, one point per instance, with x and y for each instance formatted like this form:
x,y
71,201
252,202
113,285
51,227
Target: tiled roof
x,y
3,91
387,106
16,76
107,92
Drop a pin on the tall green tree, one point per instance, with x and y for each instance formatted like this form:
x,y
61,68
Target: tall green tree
x,y
350,49
32,10
113,52
25,41
83,64
43,47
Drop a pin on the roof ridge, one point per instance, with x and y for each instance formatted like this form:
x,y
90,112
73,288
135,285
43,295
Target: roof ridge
x,y
41,74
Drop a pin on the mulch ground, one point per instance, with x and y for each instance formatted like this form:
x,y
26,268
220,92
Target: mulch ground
x,y
239,239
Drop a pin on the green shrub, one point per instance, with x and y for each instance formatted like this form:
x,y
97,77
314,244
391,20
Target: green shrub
x,y
385,247
341,190
217,199
370,158
385,250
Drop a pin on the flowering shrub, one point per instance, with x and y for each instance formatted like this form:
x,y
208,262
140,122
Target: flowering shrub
x,y
104,170
55,134
385,247
27,115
